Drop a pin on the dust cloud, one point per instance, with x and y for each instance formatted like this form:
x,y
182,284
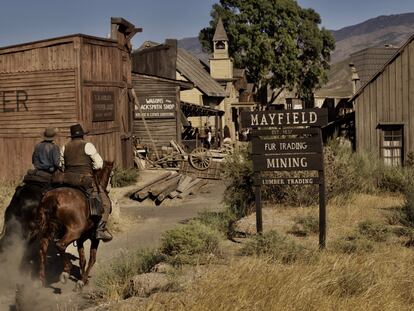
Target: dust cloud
x,y
20,289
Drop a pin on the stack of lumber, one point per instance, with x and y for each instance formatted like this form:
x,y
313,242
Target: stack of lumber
x,y
168,185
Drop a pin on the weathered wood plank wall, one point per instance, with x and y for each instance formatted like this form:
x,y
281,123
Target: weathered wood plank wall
x,y
50,83
163,130
387,99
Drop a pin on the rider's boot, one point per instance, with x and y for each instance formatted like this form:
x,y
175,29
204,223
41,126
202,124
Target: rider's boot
x,y
102,232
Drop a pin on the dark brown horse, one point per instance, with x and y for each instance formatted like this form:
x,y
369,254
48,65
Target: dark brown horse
x,y
65,212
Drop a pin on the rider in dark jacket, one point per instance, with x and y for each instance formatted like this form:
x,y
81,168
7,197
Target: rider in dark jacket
x,y
46,156
80,160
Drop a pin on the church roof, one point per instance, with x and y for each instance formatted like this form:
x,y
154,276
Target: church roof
x,y
190,67
220,34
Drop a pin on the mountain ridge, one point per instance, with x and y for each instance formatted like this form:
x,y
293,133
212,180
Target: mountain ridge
x,y
382,30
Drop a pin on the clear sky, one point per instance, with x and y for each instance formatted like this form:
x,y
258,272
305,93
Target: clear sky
x,y
29,20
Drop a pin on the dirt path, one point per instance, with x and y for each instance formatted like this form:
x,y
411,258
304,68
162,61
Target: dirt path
x,y
140,225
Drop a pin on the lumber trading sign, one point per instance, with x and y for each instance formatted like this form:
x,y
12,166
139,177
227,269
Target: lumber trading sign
x,y
288,141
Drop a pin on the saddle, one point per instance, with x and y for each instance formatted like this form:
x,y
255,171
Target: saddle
x,y
84,183
37,176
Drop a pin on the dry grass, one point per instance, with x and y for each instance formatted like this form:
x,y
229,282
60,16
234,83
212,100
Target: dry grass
x,y
6,193
380,279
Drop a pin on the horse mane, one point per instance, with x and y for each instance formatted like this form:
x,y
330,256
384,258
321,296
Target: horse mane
x,y
104,173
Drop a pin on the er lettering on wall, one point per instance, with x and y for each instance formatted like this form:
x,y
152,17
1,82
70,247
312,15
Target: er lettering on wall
x,y
13,101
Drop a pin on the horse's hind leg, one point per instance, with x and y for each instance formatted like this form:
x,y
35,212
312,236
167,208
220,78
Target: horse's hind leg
x,y
44,243
82,259
92,260
62,244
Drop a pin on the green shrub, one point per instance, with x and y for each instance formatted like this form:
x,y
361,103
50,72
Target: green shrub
x,y
406,214
124,177
374,231
190,243
305,225
393,179
220,221
346,173
352,244
238,176
409,162
112,279
276,248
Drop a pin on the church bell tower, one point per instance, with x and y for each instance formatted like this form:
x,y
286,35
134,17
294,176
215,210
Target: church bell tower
x,y
221,66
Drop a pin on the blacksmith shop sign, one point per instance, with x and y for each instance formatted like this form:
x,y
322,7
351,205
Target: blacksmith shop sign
x,y
288,140
103,106
155,107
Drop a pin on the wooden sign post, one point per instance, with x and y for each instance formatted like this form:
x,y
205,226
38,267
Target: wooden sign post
x,y
288,140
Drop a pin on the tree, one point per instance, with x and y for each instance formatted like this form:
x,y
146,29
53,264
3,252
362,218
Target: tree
x,y
279,43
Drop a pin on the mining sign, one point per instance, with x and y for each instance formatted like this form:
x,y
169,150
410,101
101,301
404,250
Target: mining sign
x,y
288,141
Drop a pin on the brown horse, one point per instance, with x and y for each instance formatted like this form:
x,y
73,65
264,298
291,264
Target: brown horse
x,y
65,211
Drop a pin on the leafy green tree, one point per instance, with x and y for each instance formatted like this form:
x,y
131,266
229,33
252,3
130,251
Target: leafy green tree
x,y
279,43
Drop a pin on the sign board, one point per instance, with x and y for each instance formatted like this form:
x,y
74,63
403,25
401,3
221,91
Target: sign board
x,y
103,106
285,132
288,140
288,162
287,181
291,145
284,118
155,107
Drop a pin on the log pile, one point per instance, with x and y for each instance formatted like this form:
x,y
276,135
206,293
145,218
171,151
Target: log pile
x,y
168,185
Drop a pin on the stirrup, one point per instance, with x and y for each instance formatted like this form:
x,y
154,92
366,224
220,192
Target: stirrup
x,y
104,235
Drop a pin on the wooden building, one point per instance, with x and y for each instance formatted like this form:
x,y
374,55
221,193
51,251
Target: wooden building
x,y
233,80
157,117
166,76
384,114
62,81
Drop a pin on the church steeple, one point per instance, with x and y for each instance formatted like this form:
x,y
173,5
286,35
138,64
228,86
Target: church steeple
x,y
221,66
220,41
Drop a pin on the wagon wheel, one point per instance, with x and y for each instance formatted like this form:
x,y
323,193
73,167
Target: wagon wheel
x,y
200,158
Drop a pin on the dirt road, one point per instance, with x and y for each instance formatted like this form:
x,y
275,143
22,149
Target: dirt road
x,y
141,224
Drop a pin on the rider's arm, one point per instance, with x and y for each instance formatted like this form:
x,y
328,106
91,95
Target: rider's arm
x,y
91,151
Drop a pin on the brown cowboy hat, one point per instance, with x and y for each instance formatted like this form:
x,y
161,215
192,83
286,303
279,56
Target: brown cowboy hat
x,y
49,133
77,131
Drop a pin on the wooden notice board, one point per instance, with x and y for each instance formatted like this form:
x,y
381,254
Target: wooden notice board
x,y
103,106
288,141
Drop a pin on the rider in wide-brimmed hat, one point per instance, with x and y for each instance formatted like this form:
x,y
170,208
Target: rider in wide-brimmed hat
x,y
80,158
46,155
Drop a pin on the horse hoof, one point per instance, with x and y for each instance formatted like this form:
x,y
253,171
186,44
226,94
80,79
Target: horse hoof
x,y
79,286
64,277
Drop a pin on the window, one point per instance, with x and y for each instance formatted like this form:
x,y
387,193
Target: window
x,y
220,45
392,145
289,103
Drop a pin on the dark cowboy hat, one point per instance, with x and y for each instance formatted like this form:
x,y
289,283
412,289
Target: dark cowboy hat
x,y
77,131
49,133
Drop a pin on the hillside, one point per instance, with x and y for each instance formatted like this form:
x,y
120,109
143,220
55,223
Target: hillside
x,y
378,31
391,30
